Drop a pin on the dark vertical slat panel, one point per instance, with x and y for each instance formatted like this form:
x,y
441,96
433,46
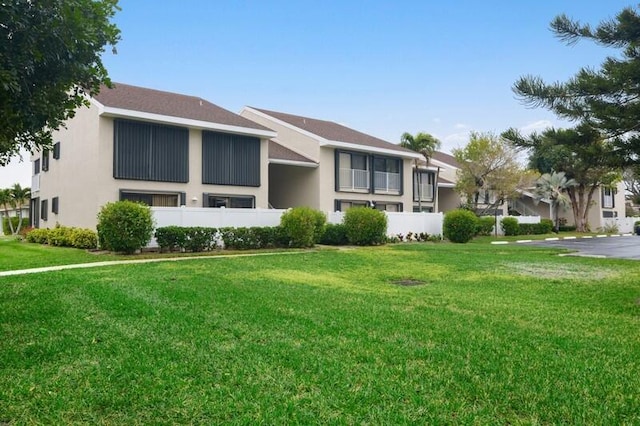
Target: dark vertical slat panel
x,y
230,159
150,152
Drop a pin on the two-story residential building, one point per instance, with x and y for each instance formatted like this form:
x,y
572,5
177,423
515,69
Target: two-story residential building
x,y
342,167
162,148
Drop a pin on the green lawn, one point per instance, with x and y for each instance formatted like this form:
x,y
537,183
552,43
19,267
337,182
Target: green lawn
x,y
15,254
496,335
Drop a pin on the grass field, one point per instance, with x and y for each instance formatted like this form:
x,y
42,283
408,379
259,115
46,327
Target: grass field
x,y
495,334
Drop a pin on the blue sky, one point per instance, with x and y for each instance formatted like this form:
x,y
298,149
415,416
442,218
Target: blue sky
x,y
381,67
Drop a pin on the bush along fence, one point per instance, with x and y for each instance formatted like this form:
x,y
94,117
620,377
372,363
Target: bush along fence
x,y
299,227
63,236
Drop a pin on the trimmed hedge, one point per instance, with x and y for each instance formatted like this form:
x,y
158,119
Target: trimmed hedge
x,y
198,238
510,226
335,234
460,225
365,226
171,238
485,225
124,226
303,226
62,236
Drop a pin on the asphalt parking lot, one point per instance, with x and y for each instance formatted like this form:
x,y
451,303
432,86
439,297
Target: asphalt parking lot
x,y
621,247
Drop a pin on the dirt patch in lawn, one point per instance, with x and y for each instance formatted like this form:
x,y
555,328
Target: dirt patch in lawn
x,y
560,271
408,282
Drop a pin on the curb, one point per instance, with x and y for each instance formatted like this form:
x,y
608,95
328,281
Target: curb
x,y
562,238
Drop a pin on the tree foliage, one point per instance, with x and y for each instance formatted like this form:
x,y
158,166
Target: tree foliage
x,y
15,197
489,163
50,57
424,144
606,98
582,154
631,179
553,187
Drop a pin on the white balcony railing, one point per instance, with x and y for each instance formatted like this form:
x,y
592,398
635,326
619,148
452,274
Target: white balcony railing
x,y
35,183
425,193
385,182
354,180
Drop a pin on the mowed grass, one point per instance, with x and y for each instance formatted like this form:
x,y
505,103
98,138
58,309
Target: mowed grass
x,y
496,335
15,254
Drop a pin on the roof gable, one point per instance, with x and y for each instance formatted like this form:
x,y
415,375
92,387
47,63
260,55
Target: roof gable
x,y
134,98
332,131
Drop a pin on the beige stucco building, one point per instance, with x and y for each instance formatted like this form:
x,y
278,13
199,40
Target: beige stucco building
x,y
146,145
344,167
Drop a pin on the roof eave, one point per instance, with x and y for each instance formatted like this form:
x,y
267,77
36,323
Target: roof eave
x,y
367,148
293,163
180,121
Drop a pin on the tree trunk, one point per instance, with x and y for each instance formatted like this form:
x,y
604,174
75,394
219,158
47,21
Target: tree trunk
x,y
6,214
580,206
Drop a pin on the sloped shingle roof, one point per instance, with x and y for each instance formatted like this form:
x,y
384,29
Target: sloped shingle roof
x,y
153,101
279,152
446,158
332,131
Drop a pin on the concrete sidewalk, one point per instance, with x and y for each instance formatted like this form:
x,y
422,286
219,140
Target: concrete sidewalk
x,y
134,261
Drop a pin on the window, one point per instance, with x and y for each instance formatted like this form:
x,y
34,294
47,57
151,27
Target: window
x,y
45,160
388,207
36,167
352,172
344,205
229,201
426,209
423,187
230,159
56,150
44,209
154,199
387,175
153,152
54,205
608,198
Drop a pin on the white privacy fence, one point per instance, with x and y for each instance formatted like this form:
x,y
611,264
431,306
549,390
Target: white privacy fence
x,y
399,223
520,219
624,224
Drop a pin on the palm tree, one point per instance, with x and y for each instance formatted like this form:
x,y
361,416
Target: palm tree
x,y
422,143
20,197
553,186
6,201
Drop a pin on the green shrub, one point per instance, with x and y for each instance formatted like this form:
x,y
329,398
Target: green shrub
x,y
460,225
171,238
636,227
38,236
365,226
510,226
14,221
124,226
485,225
199,238
335,234
302,226
269,236
545,226
241,238
567,228
83,238
60,236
